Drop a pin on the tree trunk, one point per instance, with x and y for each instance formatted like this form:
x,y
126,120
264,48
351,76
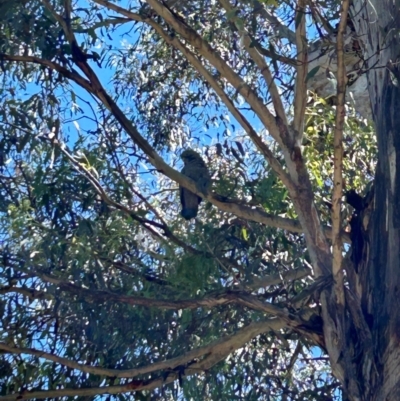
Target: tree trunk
x,y
376,280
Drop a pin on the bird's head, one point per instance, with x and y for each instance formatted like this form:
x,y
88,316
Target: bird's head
x,y
189,155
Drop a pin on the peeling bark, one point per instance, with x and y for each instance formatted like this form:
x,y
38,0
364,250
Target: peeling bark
x,y
323,67
375,282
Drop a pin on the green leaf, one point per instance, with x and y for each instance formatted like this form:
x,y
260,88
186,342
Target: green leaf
x,y
312,73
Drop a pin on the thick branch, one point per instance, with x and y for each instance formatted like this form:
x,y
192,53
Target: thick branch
x,y
333,305
290,275
337,269
73,76
133,385
217,351
222,298
27,292
334,308
209,54
218,347
256,103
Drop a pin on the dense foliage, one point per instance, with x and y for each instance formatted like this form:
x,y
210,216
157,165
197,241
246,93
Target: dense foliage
x,y
101,278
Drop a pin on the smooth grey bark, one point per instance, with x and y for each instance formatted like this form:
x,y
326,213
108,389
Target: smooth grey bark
x,y
323,62
374,340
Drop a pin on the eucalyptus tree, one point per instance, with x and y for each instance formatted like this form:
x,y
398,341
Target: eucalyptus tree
x,y
278,289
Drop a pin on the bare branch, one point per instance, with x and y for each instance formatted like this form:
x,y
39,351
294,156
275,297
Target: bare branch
x,y
133,385
287,276
217,299
338,159
273,55
218,347
300,99
62,21
27,292
104,24
333,301
318,17
204,48
73,76
237,341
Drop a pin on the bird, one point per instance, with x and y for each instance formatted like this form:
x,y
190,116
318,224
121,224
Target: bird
x,y
194,168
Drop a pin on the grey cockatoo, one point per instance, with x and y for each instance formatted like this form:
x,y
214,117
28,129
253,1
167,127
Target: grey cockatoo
x,y
194,168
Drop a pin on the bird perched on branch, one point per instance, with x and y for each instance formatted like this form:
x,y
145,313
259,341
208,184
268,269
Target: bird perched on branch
x,y
196,169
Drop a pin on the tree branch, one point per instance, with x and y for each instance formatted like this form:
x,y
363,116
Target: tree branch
x,y
27,292
333,302
337,194
219,347
104,24
73,76
133,385
300,96
282,30
260,62
217,299
287,276
203,47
